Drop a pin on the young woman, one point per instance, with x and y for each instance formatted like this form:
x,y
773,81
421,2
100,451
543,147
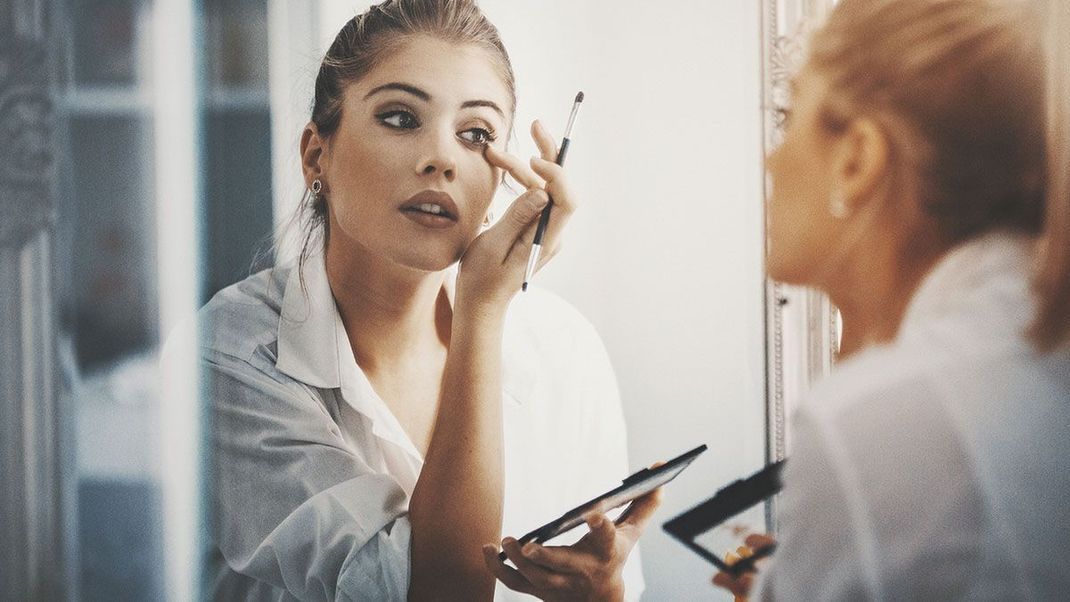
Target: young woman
x,y
379,412
923,184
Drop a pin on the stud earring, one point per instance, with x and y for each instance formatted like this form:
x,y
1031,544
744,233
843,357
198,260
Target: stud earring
x,y
317,186
838,205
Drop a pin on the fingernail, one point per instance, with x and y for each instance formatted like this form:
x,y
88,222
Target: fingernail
x,y
508,541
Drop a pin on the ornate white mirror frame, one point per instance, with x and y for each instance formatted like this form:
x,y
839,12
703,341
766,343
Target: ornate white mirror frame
x,y
802,326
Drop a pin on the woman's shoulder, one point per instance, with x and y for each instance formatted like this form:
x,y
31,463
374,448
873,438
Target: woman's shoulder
x,y
545,317
244,315
930,374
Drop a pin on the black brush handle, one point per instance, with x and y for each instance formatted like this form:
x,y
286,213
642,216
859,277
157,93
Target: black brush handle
x,y
544,218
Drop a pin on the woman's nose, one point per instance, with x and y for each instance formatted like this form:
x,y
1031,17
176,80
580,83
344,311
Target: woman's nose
x,y
439,158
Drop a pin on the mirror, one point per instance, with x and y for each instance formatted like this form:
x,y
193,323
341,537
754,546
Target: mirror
x,y
176,129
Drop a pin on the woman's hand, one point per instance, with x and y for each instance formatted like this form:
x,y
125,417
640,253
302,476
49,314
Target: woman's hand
x,y
740,585
492,268
590,569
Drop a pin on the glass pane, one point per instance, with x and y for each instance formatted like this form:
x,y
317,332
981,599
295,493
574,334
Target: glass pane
x,y
113,280
237,142
104,40
238,208
236,53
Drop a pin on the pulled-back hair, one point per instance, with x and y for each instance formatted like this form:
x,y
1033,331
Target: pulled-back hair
x,y
1052,326
363,42
961,88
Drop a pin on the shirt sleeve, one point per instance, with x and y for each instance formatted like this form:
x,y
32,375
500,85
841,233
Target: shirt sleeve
x,y
821,554
607,441
292,506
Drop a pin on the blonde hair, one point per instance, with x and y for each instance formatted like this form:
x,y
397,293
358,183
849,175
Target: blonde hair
x,y
1052,325
976,128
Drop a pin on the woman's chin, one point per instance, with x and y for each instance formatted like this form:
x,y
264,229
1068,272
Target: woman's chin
x,y
430,260
787,272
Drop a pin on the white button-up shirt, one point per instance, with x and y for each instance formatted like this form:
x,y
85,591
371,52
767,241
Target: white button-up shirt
x,y
311,472
936,467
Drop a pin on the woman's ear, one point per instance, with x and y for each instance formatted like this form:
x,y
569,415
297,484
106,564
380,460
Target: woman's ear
x,y
314,154
861,163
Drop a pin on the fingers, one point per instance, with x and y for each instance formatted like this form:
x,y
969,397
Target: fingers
x,y
507,575
525,209
513,166
602,537
562,559
538,576
544,140
639,514
739,586
564,204
541,173
758,541
513,228
556,183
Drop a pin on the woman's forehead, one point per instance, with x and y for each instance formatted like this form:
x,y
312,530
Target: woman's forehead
x,y
443,72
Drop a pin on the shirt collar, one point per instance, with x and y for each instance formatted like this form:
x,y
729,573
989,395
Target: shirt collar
x,y
988,274
313,346
308,327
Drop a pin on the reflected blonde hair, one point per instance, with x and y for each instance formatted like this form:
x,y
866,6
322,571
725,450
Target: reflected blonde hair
x,y
1052,326
961,91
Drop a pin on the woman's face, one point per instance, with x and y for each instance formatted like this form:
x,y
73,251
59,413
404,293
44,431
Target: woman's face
x,y
801,227
404,173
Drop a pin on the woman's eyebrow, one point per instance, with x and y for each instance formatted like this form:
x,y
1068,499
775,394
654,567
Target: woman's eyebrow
x,y
483,103
418,93
411,89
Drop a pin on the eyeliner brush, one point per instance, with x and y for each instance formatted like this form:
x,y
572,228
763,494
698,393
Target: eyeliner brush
x,y
544,219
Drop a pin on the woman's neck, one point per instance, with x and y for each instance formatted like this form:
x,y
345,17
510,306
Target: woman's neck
x,y
874,292
389,311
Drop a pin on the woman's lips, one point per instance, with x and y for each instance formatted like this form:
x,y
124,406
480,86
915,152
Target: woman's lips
x,y
431,208
429,220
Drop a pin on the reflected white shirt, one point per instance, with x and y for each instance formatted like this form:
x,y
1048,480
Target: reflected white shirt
x,y
312,473
936,467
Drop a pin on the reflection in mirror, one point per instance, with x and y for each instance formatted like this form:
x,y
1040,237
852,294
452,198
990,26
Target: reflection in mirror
x,y
177,130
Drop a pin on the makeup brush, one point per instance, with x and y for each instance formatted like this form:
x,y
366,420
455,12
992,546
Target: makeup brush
x,y
544,219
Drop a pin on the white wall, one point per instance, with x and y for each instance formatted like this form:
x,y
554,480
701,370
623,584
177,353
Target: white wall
x,y
665,255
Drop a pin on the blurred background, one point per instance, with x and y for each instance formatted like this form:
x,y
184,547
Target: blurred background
x,y
150,151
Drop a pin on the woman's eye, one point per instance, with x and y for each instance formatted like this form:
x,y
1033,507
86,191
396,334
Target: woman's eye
x,y
402,120
478,136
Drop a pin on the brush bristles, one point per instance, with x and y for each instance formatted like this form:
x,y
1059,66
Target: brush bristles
x,y
579,97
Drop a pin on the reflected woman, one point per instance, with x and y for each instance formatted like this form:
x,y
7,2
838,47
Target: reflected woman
x,y
379,412
917,185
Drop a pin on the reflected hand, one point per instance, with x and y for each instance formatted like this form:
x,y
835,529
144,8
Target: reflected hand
x,y
740,585
590,569
492,268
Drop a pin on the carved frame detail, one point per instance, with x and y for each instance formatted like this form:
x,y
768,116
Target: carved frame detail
x,y
802,328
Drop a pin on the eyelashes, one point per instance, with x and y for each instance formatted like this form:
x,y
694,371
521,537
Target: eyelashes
x,y
398,119
480,136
